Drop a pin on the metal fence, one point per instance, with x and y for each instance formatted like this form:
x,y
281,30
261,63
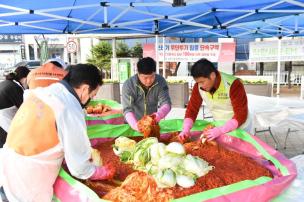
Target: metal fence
x,y
295,77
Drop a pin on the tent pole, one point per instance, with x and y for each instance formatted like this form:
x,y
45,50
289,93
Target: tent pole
x,y
279,67
251,13
178,24
72,58
279,26
114,48
156,54
120,15
89,18
282,11
135,22
164,58
114,60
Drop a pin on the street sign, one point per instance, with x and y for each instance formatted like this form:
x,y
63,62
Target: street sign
x,y
71,46
10,38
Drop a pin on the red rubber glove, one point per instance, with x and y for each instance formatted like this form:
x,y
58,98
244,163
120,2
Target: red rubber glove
x,y
161,112
130,118
215,132
185,134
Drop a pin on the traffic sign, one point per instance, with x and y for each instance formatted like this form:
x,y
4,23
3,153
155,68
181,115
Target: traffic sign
x,y
71,46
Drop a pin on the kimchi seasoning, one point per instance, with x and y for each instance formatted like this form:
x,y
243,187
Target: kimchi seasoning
x,y
149,127
108,156
229,167
139,187
102,187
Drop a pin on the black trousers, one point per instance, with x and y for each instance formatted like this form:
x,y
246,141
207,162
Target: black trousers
x,y
2,195
3,135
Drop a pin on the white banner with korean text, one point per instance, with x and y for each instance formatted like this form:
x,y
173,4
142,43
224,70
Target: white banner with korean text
x,y
267,51
191,52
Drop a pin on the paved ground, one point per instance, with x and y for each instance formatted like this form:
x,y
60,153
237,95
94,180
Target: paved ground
x,y
294,91
295,141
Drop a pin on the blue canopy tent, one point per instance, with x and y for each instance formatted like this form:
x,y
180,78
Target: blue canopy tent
x,y
178,18
188,18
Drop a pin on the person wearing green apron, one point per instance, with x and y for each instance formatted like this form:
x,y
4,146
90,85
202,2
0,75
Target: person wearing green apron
x,y
224,96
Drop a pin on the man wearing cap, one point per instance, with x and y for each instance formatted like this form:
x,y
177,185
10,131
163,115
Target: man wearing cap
x,y
50,72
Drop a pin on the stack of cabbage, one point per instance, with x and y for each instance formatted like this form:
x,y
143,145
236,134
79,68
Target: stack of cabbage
x,y
169,165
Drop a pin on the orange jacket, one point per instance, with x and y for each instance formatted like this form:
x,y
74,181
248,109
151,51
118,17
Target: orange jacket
x,y
45,76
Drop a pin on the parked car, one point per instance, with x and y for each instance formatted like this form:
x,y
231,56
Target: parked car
x,y
31,64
